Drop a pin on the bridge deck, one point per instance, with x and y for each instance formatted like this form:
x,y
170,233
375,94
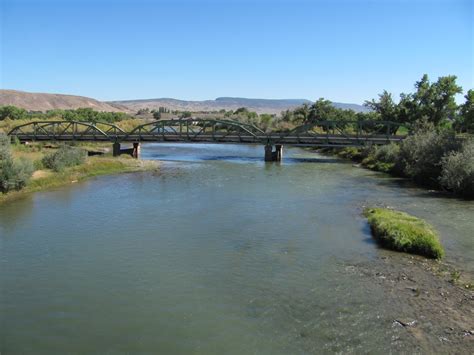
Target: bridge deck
x,y
316,140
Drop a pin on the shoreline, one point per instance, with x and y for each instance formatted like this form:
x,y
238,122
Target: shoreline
x,y
92,167
430,302
355,158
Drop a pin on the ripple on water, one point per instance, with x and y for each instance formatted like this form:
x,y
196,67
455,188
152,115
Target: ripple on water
x,y
218,253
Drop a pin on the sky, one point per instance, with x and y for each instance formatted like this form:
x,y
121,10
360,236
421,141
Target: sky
x,y
344,51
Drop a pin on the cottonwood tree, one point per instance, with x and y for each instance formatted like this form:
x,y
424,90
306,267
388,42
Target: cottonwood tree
x,y
465,120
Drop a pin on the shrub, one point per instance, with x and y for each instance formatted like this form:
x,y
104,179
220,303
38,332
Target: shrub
x,y
64,157
4,147
458,170
385,158
421,154
401,232
354,153
14,174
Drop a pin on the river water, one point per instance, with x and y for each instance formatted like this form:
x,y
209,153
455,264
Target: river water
x,y
216,253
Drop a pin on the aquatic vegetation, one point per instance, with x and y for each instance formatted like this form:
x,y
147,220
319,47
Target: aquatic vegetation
x,y
402,232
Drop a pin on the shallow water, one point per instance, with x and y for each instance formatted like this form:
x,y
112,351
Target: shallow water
x,y
217,253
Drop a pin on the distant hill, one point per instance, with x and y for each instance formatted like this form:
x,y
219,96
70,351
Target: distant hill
x,y
44,102
274,106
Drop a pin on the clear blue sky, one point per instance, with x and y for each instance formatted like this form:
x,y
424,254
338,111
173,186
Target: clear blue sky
x,y
345,51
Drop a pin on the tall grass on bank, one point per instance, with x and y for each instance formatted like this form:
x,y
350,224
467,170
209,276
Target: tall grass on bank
x,y
401,232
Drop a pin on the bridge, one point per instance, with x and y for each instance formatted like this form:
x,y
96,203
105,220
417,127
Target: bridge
x,y
194,130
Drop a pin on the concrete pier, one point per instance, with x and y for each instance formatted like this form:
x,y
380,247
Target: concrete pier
x,y
134,151
273,155
116,149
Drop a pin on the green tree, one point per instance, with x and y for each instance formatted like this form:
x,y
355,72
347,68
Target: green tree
x,y
465,119
385,107
265,121
12,112
241,111
301,114
185,114
322,110
434,102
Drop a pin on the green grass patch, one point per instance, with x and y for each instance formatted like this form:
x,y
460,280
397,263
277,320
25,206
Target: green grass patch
x,y
399,231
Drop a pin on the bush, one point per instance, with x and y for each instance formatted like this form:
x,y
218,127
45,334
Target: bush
x,y
354,153
385,158
64,157
401,232
4,147
458,170
14,174
422,152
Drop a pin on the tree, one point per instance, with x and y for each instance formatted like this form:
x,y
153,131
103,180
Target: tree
x,y
12,112
185,114
301,114
241,110
322,110
265,120
385,107
465,120
157,115
434,102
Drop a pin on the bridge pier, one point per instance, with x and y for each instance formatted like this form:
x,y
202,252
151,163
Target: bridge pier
x,y
271,155
134,151
116,149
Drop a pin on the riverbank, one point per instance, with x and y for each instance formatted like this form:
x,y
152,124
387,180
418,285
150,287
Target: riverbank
x,y
44,179
431,301
440,164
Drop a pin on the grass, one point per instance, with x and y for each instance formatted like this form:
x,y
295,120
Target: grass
x,y
401,232
94,166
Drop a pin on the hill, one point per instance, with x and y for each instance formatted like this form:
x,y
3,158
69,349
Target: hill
x,y
274,106
44,102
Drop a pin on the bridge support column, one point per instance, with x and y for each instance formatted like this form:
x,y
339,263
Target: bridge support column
x,y
271,155
136,150
268,152
116,149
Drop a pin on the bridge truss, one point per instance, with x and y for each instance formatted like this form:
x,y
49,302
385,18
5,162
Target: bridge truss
x,y
321,133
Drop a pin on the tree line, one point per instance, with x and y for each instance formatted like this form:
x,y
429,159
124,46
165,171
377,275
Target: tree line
x,y
80,114
432,103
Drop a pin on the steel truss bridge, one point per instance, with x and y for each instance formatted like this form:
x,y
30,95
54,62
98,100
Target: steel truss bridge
x,y
318,134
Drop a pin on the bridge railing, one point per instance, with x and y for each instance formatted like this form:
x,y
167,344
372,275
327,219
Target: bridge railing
x,y
195,130
341,132
67,130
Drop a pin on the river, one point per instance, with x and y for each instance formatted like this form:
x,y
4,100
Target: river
x,y
216,253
